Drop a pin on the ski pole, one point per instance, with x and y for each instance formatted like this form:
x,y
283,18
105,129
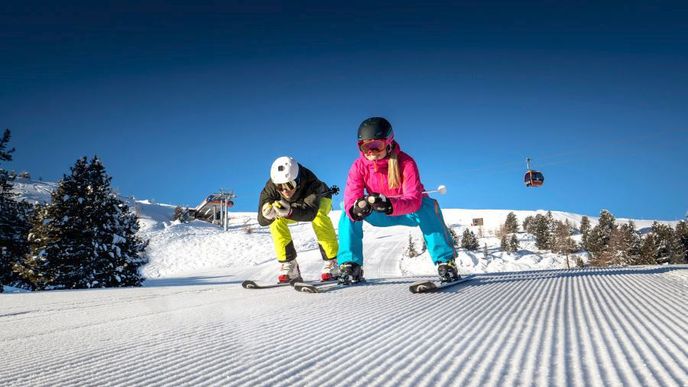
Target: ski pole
x,y
334,190
441,189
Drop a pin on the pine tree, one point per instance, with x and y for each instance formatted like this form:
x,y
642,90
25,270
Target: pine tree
x,y
5,154
629,250
411,248
552,226
562,241
599,236
86,237
528,225
453,236
667,249
623,247
647,251
14,220
542,232
585,231
678,252
469,241
504,244
513,244
511,223
682,239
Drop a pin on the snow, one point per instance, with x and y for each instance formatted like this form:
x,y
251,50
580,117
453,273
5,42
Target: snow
x,y
34,191
522,320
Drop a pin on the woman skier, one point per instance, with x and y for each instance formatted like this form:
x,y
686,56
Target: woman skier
x,y
294,194
384,189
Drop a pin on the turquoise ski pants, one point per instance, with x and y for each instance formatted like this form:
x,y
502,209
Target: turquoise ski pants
x,y
428,218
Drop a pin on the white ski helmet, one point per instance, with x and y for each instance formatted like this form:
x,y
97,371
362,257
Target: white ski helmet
x,y
284,169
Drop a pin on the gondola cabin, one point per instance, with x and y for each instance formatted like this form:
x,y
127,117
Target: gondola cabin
x,y
533,178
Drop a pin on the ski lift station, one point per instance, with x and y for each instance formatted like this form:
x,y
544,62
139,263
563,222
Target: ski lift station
x,y
215,208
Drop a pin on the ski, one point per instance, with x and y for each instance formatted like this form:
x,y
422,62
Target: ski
x,y
250,284
321,287
433,286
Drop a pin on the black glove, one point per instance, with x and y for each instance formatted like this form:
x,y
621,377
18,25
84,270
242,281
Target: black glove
x,y
380,203
361,209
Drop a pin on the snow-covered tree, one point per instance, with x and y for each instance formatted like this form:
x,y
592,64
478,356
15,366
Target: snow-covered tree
x,y
469,241
662,245
623,247
411,248
511,223
682,238
552,226
14,220
599,236
647,251
181,214
504,243
513,244
528,225
542,231
667,248
562,241
5,153
631,243
86,237
453,236
585,231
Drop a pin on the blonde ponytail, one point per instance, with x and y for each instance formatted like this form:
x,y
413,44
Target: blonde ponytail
x,y
393,176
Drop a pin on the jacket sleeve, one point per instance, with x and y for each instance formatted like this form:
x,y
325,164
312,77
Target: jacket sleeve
x,y
306,208
412,191
267,195
355,187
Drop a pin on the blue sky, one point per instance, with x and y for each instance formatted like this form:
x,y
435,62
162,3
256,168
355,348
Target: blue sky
x,y
180,99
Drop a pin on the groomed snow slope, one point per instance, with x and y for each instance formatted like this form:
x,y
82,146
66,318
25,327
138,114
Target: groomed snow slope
x,y
554,327
193,324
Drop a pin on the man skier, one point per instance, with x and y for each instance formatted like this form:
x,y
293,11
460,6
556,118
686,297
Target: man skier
x,y
294,194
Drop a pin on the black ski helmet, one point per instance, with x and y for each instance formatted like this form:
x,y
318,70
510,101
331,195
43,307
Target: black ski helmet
x,y
375,128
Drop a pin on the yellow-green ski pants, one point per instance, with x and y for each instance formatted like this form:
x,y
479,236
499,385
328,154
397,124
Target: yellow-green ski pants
x,y
324,232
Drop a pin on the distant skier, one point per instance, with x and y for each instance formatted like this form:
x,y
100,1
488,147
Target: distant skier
x,y
294,194
384,189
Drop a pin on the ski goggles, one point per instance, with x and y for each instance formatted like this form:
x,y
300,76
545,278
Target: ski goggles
x,y
288,186
372,146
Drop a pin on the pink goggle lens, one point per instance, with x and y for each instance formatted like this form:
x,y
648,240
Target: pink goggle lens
x,y
372,146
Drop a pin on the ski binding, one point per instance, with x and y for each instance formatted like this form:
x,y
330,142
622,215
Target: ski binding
x,y
321,287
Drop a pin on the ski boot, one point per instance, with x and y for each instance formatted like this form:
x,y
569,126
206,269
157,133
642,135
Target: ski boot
x,y
289,272
349,273
330,270
447,271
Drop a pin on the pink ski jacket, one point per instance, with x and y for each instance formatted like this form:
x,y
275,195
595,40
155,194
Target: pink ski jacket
x,y
367,176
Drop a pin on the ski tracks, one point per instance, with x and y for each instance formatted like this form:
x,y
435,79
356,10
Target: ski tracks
x,y
569,328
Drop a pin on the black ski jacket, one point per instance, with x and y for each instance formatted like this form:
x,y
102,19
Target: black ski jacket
x,y
305,202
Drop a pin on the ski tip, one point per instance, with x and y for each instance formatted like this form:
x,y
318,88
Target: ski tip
x,y
422,287
305,288
249,284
